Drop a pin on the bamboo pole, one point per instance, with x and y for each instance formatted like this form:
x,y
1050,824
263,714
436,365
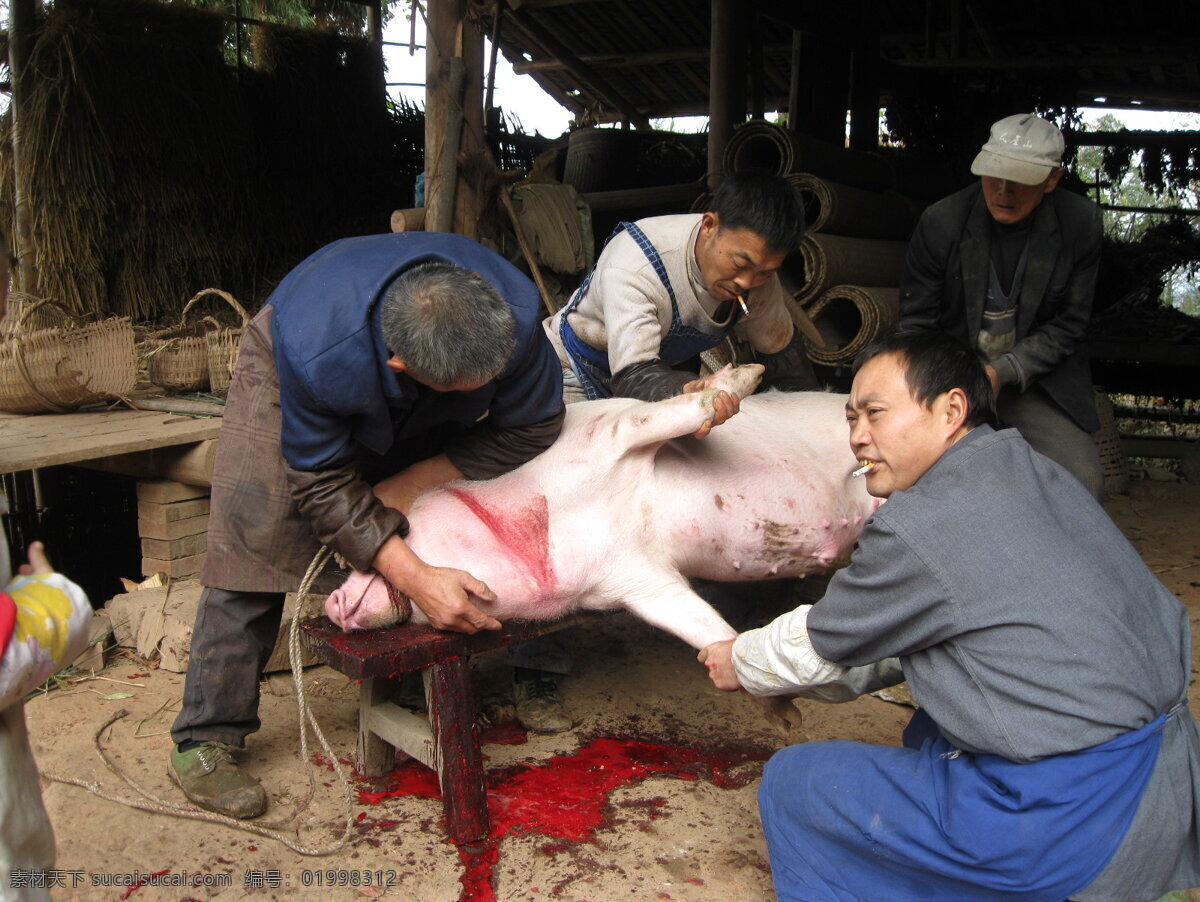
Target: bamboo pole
x,y
21,21
526,250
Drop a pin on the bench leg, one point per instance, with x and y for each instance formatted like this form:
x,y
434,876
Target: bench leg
x,y
375,756
456,750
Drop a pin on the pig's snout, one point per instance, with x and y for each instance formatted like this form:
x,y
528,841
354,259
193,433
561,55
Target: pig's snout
x,y
367,601
340,606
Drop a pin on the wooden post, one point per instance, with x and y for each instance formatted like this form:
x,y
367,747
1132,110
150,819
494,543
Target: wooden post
x,y
459,763
476,169
794,95
443,110
864,85
758,100
724,71
22,16
375,39
824,89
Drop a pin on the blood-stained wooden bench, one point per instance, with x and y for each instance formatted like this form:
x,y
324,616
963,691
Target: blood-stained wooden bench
x,y
448,741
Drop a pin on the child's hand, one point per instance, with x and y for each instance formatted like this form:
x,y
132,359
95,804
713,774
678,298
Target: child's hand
x,y
38,562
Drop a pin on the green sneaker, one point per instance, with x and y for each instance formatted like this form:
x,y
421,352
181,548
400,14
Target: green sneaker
x,y
539,706
208,776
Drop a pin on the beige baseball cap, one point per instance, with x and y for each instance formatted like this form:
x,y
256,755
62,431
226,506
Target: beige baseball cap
x,y
1023,148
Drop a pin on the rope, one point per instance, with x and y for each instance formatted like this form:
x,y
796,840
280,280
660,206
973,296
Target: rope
x,y
156,805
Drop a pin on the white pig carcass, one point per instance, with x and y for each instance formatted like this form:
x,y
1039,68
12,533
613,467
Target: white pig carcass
x,y
627,504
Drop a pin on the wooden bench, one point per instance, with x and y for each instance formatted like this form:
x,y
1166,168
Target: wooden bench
x,y
448,741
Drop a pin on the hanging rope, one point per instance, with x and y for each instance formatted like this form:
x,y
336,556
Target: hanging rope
x,y
156,805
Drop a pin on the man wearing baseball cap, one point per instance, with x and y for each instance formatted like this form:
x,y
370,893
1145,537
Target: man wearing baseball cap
x,y
1009,265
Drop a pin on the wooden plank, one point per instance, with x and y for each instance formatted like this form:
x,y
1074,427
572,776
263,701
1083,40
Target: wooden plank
x,y
174,549
375,756
191,464
399,729
184,566
164,490
50,439
1145,352
410,646
158,515
153,528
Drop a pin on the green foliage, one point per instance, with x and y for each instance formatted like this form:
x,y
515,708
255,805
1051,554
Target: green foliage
x,y
1166,245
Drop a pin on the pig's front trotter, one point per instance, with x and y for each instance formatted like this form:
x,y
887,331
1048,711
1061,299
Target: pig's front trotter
x,y
783,715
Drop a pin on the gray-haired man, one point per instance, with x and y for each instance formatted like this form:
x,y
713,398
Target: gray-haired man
x,y
419,354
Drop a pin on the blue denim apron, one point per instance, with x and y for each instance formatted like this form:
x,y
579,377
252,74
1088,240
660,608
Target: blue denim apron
x,y
680,343
851,822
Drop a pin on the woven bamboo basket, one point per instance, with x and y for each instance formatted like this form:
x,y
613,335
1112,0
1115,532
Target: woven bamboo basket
x,y
49,362
850,317
1113,463
177,357
223,344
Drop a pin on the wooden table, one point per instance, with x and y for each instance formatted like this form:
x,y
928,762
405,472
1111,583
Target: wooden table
x,y
31,441
448,741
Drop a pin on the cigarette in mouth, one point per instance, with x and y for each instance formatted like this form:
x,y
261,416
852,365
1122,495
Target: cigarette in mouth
x,y
864,469
742,301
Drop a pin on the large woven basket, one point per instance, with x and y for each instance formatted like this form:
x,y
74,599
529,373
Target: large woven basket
x,y
50,362
177,357
1113,463
223,344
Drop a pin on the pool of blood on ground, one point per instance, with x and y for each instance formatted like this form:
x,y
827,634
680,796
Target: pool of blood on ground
x,y
565,797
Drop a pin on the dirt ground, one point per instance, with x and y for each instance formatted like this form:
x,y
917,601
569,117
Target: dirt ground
x,y
671,817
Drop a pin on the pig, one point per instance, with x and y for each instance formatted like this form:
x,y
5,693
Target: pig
x,y
627,504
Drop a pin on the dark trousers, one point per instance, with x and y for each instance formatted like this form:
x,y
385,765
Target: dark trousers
x,y
232,641
1051,432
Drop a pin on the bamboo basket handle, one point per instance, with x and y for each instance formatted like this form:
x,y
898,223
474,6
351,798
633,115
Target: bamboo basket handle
x,y
229,299
19,350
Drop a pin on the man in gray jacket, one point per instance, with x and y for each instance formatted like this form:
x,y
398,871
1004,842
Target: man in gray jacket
x,y
1009,266
1053,755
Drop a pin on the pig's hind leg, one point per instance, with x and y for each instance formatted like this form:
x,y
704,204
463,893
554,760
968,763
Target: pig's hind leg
x,y
668,602
671,605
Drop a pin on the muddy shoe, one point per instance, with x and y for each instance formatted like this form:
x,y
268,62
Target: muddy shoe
x,y
208,776
539,707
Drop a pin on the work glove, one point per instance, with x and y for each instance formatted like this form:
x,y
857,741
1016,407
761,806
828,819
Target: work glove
x,y
651,380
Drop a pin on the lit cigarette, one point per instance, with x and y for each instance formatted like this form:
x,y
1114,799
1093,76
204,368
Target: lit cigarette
x,y
742,301
864,469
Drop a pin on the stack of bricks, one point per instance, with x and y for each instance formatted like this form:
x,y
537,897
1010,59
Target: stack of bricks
x,y
173,526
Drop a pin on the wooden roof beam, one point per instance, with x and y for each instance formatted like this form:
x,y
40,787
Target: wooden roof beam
x,y
583,73
1048,60
632,60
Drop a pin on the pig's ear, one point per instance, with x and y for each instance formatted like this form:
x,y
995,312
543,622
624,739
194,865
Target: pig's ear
x,y
396,365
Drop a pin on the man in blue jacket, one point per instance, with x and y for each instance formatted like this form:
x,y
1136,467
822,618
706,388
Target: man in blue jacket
x,y
415,354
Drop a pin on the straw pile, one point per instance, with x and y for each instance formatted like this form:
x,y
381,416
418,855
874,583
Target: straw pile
x,y
160,165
